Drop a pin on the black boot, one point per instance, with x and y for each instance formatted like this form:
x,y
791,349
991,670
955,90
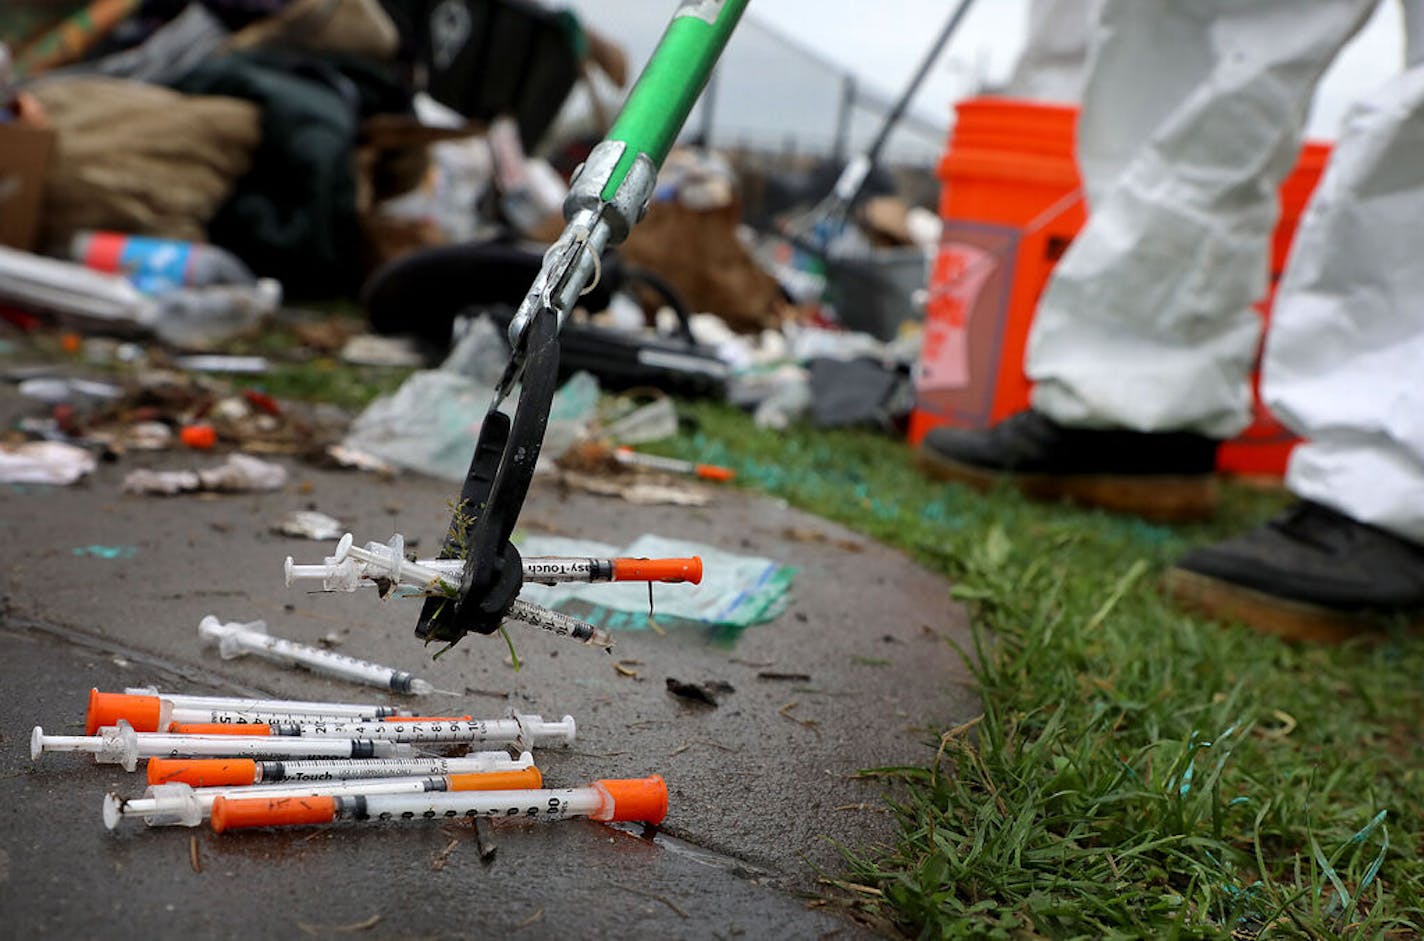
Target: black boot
x,y
1164,476
1309,574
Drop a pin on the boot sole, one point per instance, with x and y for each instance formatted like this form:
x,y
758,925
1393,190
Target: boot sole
x,y
1269,614
1163,498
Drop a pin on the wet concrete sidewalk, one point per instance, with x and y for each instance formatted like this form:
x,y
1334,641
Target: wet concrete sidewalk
x,y
762,787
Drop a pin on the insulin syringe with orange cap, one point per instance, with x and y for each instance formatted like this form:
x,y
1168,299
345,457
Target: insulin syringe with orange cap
x,y
640,800
121,745
286,706
153,713
671,465
177,804
238,640
354,567
526,731
239,772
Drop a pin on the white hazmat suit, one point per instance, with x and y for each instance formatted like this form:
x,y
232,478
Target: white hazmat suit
x,y
1193,114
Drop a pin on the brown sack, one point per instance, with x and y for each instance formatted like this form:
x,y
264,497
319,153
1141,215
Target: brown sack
x,y
698,251
139,158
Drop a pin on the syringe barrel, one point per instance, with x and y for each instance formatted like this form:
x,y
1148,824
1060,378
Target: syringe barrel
x,y
211,772
236,639
238,704
122,745
485,731
177,804
540,804
639,799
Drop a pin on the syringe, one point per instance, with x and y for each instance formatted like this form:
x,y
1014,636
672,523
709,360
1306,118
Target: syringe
x,y
526,731
223,772
237,640
631,799
352,567
670,465
167,805
121,745
298,706
156,713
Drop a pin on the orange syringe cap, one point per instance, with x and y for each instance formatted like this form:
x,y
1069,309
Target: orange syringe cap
x,y
714,472
658,570
519,780
106,709
202,772
639,800
219,728
245,813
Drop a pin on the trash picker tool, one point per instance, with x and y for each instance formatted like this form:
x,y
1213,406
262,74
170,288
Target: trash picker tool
x,y
608,195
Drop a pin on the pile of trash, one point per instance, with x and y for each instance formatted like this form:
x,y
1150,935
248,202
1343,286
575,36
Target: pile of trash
x,y
177,179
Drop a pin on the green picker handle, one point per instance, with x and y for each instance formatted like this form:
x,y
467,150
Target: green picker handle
x,y
609,194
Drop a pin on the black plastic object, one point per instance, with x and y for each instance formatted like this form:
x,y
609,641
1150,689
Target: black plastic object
x,y
422,293
620,360
491,498
486,58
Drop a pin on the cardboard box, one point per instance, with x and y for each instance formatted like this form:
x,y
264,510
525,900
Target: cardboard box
x,y
24,156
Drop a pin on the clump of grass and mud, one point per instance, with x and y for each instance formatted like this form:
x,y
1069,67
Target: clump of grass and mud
x,y
1137,772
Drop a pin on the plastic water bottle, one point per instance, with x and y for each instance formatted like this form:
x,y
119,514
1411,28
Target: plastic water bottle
x,y
156,265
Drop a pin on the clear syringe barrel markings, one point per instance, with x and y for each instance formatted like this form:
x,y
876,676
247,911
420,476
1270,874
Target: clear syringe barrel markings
x,y
155,713
294,706
237,640
178,804
527,731
220,772
641,800
353,567
121,745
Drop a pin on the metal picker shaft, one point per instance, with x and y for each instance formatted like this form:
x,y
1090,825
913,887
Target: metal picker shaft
x,y
608,195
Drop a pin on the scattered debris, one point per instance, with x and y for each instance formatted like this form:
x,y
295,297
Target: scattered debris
x,y
309,524
193,855
54,391
807,534
241,473
812,724
652,895
106,552
623,670
214,362
705,693
485,844
346,456
373,350
532,919
44,462
795,677
366,925
640,492
443,857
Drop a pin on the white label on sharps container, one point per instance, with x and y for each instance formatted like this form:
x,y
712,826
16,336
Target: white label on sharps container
x,y
707,10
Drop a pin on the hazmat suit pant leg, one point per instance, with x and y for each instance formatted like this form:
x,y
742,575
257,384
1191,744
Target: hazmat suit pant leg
x,y
1192,115
1344,355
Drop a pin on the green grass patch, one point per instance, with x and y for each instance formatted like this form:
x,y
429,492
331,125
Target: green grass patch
x,y
1137,772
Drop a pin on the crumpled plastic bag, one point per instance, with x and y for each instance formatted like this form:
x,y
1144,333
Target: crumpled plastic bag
x,y
44,462
240,473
